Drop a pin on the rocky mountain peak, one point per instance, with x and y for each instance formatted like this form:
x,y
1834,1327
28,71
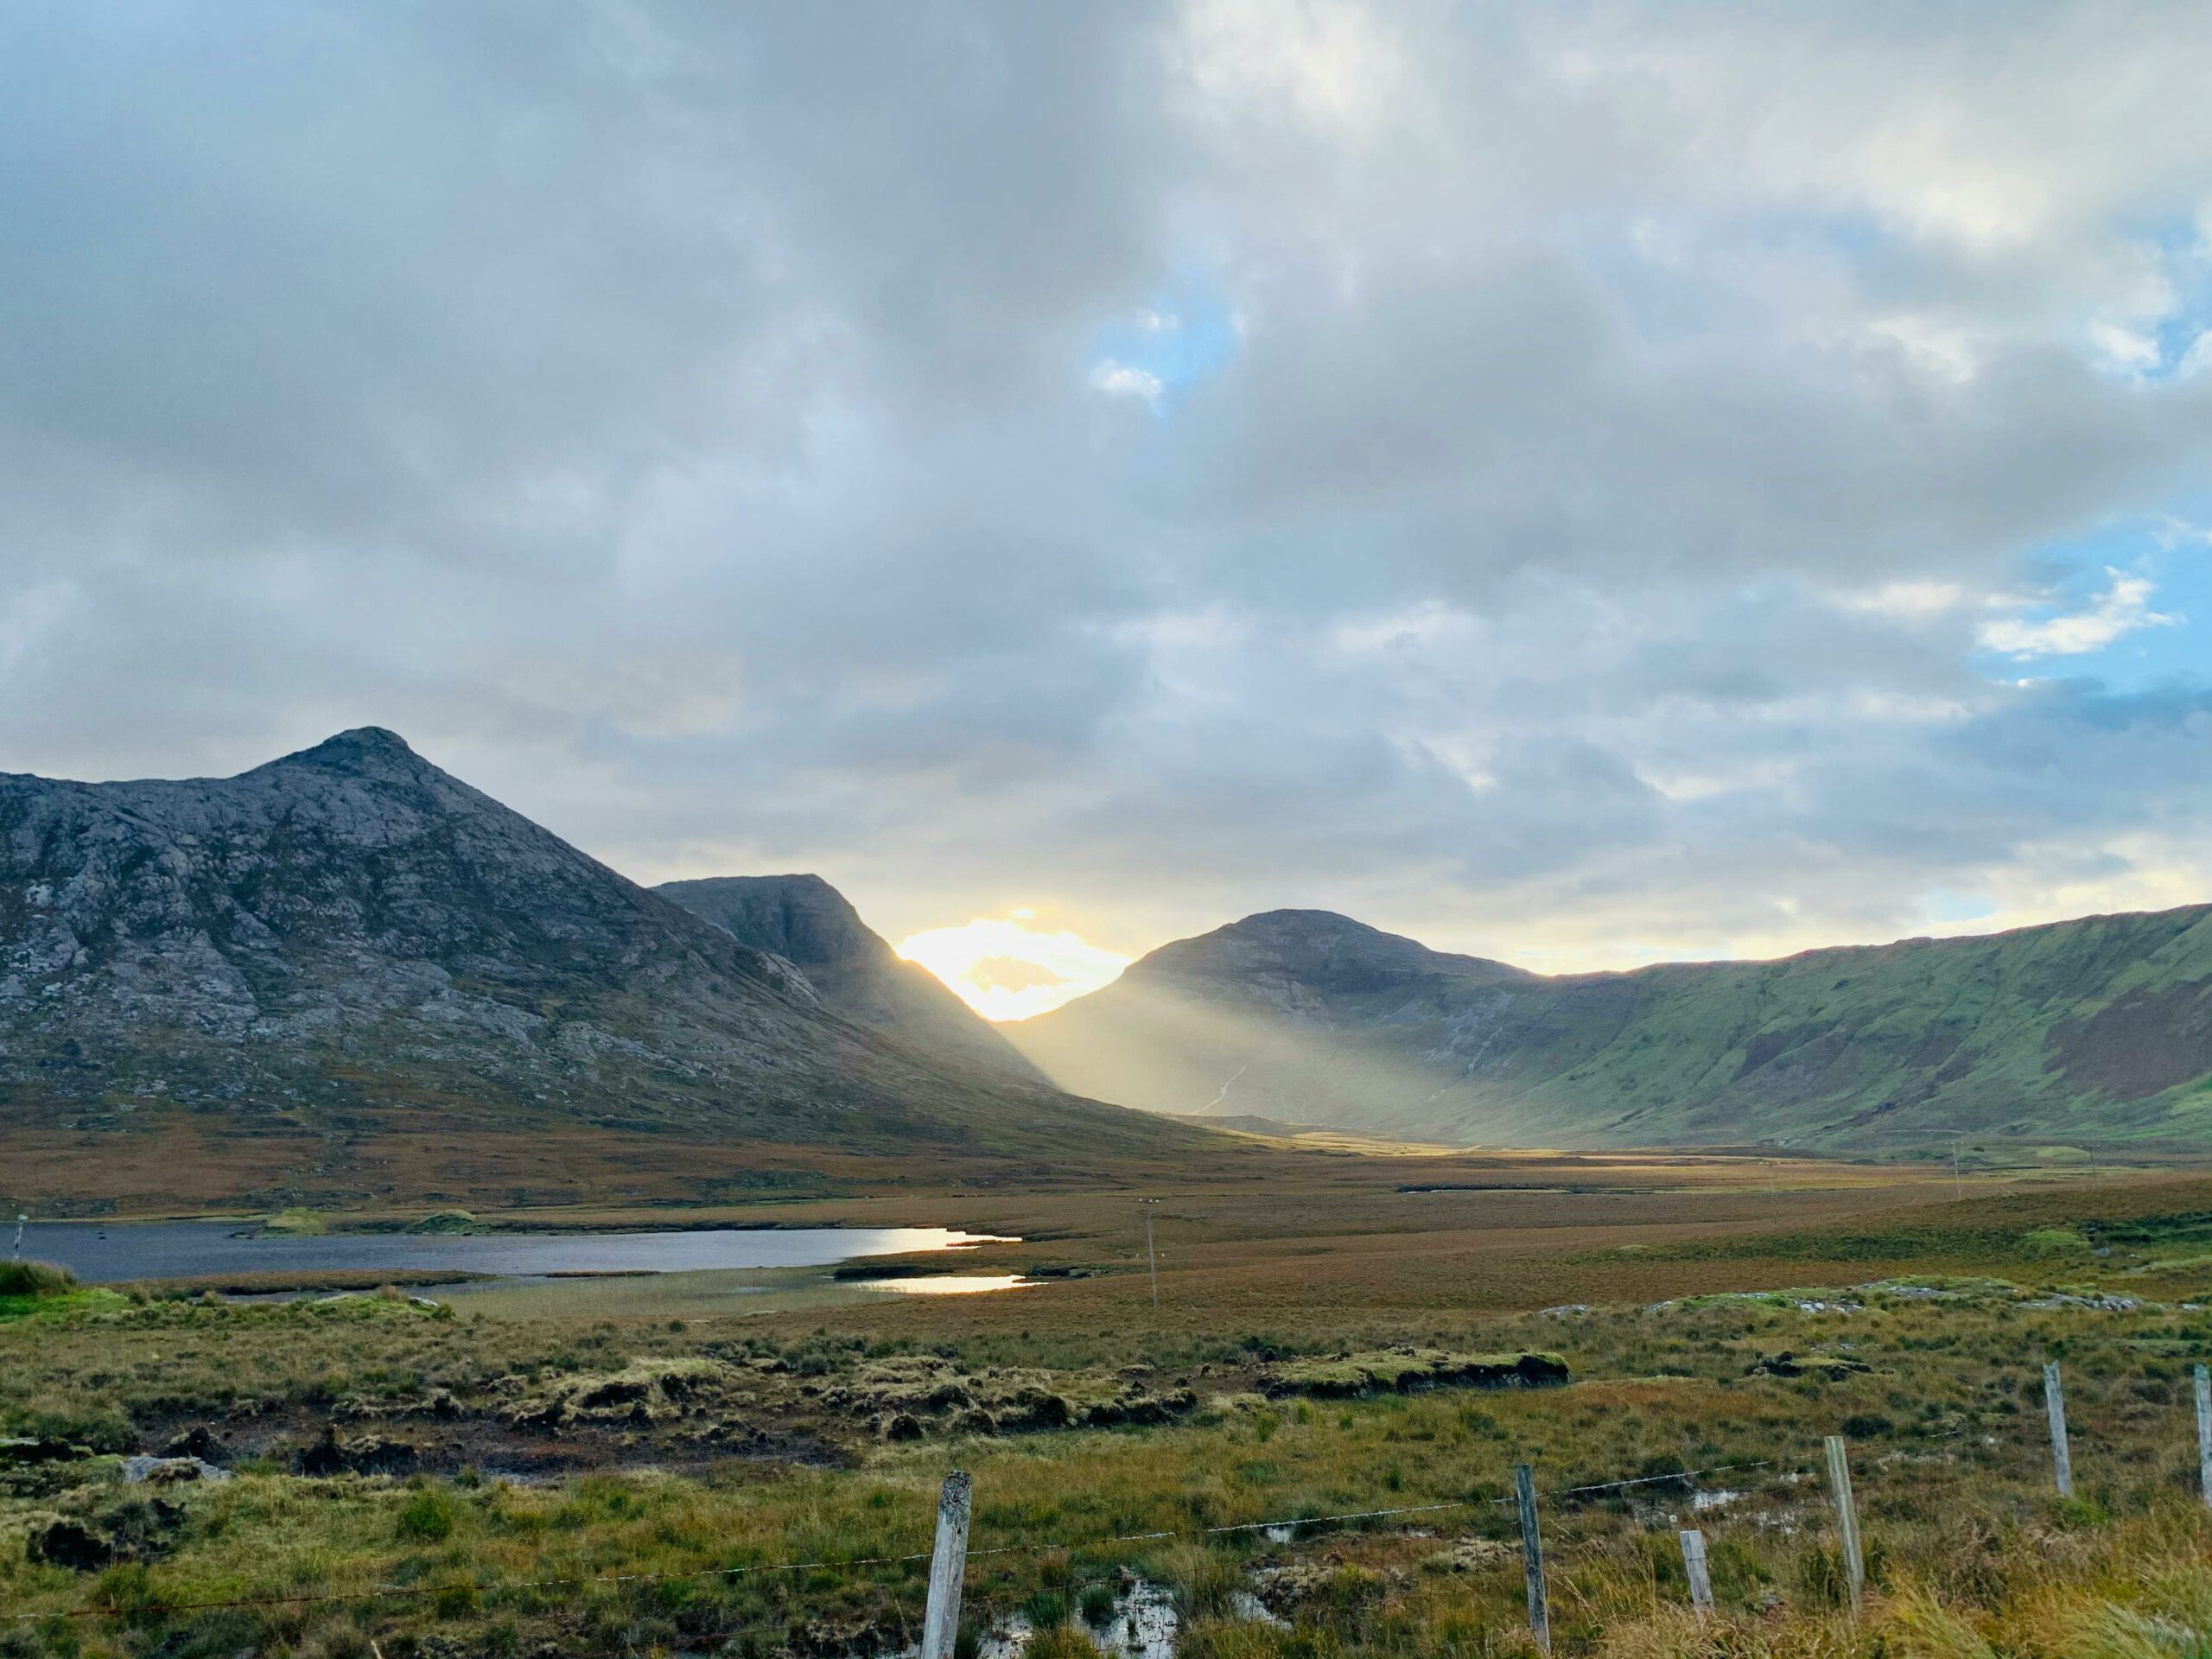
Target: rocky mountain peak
x,y
350,929
363,752
801,918
1316,949
808,922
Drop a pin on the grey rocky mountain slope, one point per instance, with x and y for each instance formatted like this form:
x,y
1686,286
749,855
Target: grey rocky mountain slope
x,y
2087,1031
350,930
809,923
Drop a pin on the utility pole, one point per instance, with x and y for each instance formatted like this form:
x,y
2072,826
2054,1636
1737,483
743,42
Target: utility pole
x,y
1151,1254
1957,1135
17,1253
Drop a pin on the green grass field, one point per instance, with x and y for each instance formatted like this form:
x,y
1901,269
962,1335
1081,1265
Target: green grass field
x,y
745,1464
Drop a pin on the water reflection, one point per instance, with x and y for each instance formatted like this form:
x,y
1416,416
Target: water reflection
x,y
948,1284
180,1249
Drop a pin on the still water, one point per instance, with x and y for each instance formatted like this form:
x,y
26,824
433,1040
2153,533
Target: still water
x,y
189,1250
948,1284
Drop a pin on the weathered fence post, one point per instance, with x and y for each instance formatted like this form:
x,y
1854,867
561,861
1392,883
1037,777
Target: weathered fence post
x,y
1532,1556
941,1624
1701,1577
2061,1455
2204,1431
1847,1520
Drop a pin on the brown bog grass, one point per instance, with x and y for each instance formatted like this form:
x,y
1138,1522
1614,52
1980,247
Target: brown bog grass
x,y
1968,1543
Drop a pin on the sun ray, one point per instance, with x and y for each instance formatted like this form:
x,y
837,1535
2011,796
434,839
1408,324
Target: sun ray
x,y
1006,969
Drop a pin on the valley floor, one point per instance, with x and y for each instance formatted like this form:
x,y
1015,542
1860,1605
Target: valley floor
x,y
749,1462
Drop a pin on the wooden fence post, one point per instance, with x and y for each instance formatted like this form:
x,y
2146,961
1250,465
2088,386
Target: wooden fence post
x,y
1532,1556
2204,1431
1701,1577
1847,1518
941,1624
2061,1455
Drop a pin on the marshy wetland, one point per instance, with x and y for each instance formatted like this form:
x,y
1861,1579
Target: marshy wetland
x,y
743,1461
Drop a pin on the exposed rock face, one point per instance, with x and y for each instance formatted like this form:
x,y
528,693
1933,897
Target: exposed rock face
x,y
806,921
350,928
2079,1029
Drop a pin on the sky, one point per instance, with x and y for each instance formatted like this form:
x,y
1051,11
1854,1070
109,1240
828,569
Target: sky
x,y
1577,483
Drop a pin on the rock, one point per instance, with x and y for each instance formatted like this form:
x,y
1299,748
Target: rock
x,y
352,922
809,923
904,1427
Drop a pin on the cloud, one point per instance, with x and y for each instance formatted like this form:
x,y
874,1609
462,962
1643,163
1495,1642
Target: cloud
x,y
2122,609
1120,380
1598,446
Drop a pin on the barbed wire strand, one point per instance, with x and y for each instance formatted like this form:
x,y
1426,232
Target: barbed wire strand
x,y
391,1592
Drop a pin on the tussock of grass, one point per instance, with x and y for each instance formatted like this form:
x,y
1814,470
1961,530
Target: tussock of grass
x,y
35,1279
1965,1544
1400,1370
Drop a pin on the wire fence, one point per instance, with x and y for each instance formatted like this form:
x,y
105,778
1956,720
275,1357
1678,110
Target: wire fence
x,y
1290,1526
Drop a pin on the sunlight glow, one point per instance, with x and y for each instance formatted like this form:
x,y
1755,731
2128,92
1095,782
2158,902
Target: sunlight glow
x,y
1005,970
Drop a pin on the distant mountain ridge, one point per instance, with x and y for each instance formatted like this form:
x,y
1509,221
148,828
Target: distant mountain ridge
x,y
349,931
2100,1028
805,920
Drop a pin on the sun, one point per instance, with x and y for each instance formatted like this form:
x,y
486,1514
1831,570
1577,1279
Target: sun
x,y
1006,969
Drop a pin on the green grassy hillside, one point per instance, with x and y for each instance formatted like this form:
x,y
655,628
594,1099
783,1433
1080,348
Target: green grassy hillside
x,y
2093,1030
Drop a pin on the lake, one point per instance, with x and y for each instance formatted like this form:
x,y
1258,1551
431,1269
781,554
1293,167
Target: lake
x,y
110,1252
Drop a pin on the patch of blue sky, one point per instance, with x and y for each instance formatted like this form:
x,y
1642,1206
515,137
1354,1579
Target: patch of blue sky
x,y
2169,646
2185,259
1180,336
1942,904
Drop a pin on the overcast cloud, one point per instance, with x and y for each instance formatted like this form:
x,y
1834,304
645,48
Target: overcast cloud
x,y
1578,483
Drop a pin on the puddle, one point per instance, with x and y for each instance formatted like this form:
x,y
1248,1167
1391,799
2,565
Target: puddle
x,y
946,1284
1142,1626
1250,1608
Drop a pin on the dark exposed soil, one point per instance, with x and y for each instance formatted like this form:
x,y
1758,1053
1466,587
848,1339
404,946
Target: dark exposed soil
x,y
2142,1045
